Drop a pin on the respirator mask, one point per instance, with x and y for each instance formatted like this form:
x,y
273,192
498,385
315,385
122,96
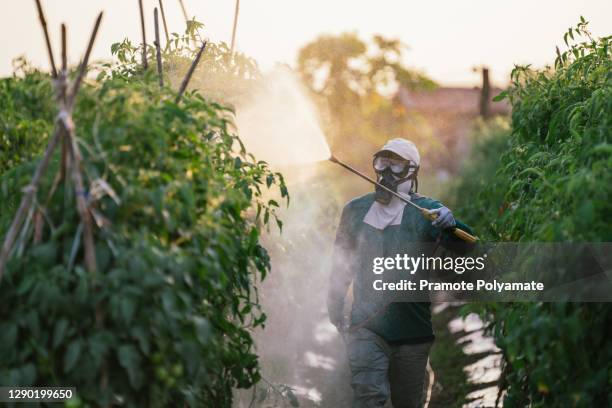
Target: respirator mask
x,y
391,172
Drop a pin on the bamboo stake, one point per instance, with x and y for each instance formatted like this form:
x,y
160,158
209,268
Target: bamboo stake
x,y
84,62
234,28
160,71
43,23
145,64
62,89
190,73
62,96
64,52
76,159
79,192
161,7
184,11
38,226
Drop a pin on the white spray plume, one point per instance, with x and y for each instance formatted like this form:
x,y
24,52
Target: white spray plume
x,y
278,123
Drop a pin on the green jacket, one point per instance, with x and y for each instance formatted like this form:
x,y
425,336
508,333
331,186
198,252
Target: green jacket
x,y
358,243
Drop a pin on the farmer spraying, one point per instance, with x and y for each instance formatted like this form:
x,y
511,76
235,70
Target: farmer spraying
x,y
388,343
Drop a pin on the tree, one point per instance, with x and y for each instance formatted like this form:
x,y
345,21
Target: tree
x,y
357,81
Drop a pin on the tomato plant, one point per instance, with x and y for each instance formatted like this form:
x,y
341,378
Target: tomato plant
x,y
553,183
178,204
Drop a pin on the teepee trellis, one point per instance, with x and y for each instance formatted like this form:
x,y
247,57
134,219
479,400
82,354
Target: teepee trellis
x,y
71,160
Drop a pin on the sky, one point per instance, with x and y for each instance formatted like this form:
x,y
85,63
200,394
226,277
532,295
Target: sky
x,y
446,38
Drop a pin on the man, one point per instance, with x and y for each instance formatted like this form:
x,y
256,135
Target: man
x,y
388,342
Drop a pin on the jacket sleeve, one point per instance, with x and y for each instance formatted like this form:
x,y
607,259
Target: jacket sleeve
x,y
341,274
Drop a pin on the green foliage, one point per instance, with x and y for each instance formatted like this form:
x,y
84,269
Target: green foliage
x,y
274,395
26,115
178,205
553,183
490,140
220,75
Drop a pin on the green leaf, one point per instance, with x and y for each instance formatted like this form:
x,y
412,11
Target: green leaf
x,y
73,352
292,398
143,339
502,95
59,331
99,344
169,302
130,360
27,375
8,336
202,328
128,307
266,216
262,394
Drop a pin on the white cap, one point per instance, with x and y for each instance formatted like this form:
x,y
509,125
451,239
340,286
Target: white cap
x,y
403,148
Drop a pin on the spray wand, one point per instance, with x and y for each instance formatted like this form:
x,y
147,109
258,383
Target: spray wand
x,y
424,211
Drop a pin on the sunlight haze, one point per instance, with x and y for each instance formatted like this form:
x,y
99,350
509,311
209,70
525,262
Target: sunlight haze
x,y
445,38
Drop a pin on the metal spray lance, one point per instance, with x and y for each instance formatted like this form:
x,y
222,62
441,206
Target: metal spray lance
x,y
424,211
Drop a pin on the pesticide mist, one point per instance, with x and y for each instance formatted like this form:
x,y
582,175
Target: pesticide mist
x,y
299,349
278,123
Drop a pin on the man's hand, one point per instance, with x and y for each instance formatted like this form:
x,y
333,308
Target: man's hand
x,y
445,218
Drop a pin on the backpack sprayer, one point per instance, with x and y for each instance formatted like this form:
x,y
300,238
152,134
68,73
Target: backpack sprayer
x,y
424,211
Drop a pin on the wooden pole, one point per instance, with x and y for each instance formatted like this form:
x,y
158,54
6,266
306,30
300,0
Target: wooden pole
x,y
160,71
237,9
145,64
485,95
161,8
190,73
43,23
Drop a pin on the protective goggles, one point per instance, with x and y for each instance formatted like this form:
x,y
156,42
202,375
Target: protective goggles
x,y
398,167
